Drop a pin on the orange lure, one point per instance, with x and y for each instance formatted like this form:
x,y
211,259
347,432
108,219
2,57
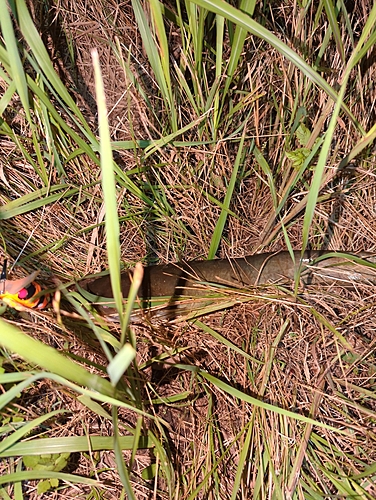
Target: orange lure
x,y
21,294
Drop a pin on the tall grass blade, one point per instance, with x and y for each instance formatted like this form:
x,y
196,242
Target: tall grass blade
x,y
220,25
164,57
319,171
269,175
121,467
243,458
43,60
247,6
37,353
236,16
155,57
30,475
261,404
109,189
196,23
7,444
320,168
73,444
332,13
361,145
16,67
220,225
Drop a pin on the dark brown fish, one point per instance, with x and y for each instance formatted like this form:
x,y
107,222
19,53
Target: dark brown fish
x,y
322,268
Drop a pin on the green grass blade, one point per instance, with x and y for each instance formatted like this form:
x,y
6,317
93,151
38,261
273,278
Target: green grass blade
x,y
37,353
224,341
154,57
17,72
219,227
361,145
269,175
136,283
15,390
196,22
164,54
120,363
36,199
73,444
319,172
243,457
170,137
261,404
236,16
31,475
109,189
121,467
164,57
360,52
331,12
40,53
7,96
7,444
247,6
220,25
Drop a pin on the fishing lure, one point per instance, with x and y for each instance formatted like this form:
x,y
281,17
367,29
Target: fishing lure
x,y
22,293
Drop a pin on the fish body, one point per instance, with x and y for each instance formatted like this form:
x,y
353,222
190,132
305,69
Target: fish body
x,y
324,268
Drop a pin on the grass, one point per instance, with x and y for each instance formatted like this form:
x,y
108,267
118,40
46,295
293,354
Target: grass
x,y
210,131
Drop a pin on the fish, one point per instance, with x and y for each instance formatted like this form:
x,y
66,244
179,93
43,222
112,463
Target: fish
x,y
193,278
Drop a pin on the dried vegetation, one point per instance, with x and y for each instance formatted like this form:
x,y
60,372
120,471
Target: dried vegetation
x,y
315,357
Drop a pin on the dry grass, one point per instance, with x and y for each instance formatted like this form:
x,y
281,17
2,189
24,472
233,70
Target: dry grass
x,y
315,358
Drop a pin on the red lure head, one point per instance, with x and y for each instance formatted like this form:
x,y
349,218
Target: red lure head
x,y
21,293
